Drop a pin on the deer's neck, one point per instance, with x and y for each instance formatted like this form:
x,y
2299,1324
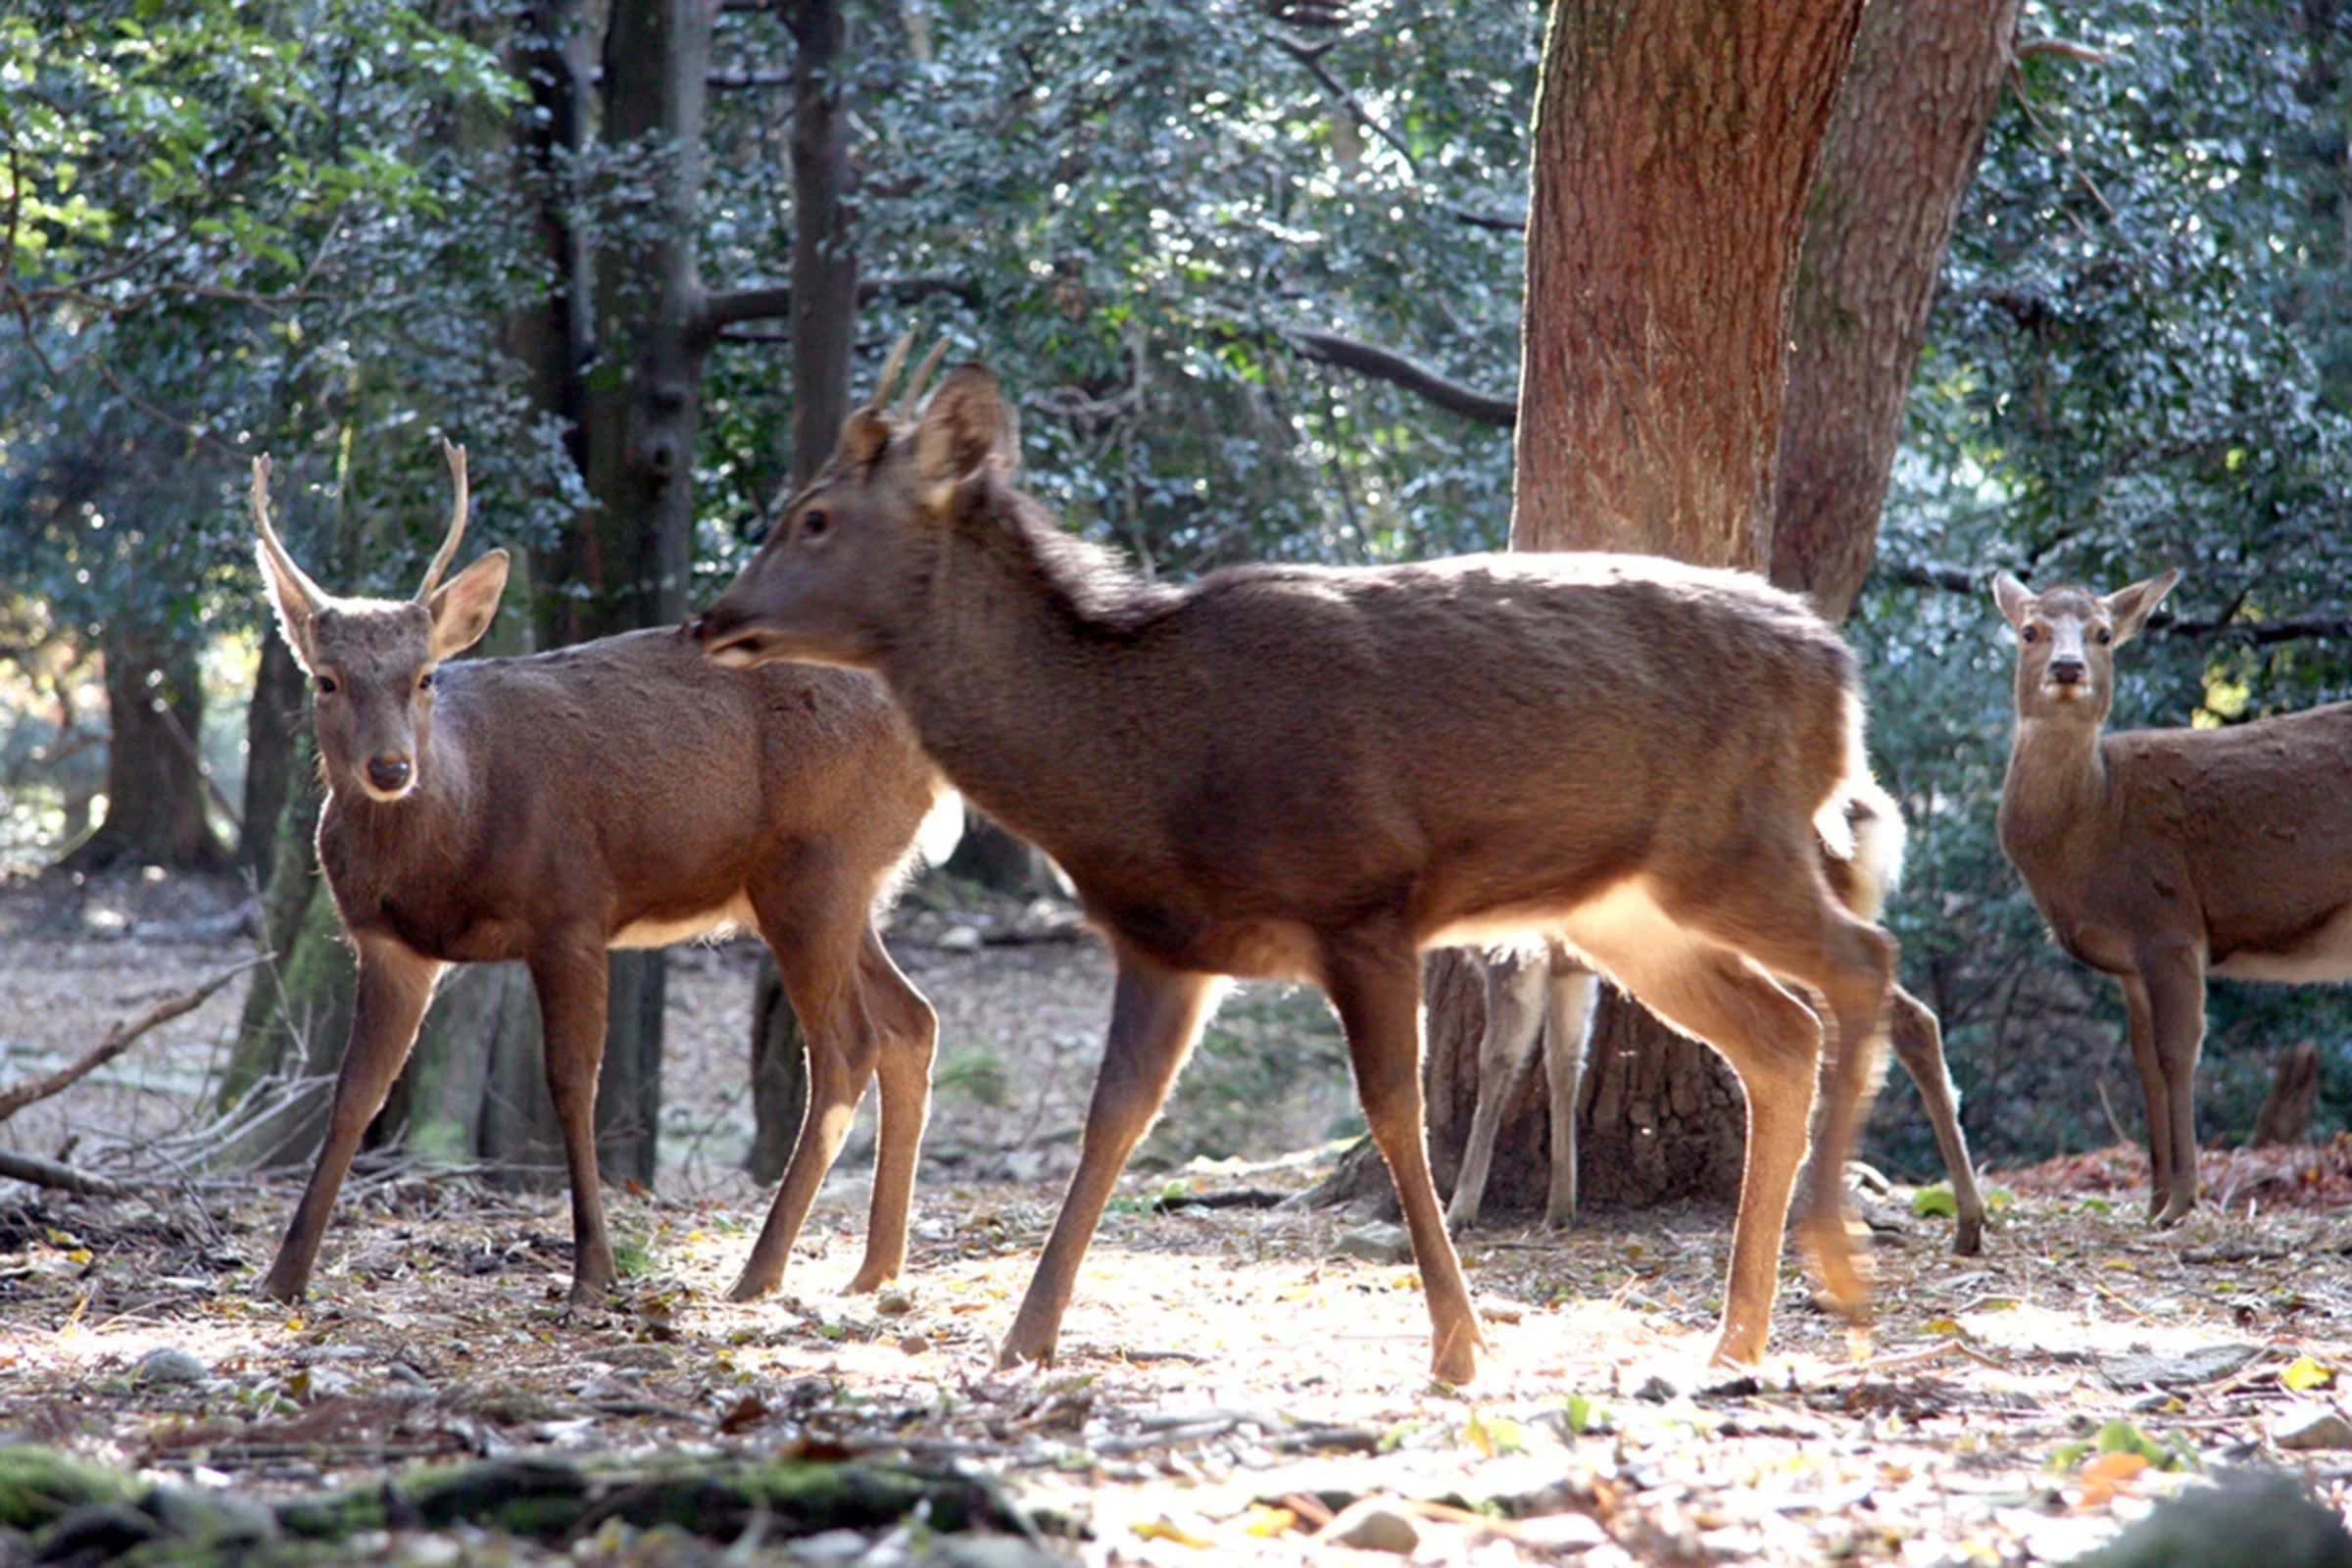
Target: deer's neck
x,y
1005,666
407,849
2056,791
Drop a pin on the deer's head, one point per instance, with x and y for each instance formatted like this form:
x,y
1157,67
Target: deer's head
x,y
828,583
2066,643
372,661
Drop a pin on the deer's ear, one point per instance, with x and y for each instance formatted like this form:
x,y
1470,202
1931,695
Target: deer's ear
x,y
2012,596
966,428
2130,607
463,608
297,611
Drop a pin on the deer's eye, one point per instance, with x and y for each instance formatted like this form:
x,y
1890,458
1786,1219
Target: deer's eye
x,y
2105,634
327,685
425,682
2029,634
815,524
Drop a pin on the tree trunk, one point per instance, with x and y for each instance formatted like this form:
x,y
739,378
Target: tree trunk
x,y
825,323
2285,1113
631,558
1661,1116
155,791
1910,124
273,723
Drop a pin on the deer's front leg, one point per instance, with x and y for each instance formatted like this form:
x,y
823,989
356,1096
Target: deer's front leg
x,y
570,972
2140,1025
1156,1015
395,985
2175,982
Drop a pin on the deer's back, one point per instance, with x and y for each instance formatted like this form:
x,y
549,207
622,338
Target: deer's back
x,y
1492,734
2257,818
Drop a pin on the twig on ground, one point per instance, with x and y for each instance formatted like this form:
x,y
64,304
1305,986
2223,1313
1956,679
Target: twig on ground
x,y
64,1178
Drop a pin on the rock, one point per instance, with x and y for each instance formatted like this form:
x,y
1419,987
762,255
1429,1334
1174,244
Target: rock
x,y
914,1344
2206,1363
959,939
990,1551
2312,1426
210,1518
1378,1244
2252,1517
1373,1523
168,1364
830,1547
98,1532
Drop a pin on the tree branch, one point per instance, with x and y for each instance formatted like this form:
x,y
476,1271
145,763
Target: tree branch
x,y
1501,223
2224,628
64,1178
728,308
1311,57
1365,358
2027,48
118,1040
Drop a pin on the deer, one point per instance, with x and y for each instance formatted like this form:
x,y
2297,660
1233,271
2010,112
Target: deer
x,y
2164,856
1315,774
1548,1001
624,792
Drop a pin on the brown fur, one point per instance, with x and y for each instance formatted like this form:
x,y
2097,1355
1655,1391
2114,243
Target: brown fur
x,y
2161,857
1316,773
624,792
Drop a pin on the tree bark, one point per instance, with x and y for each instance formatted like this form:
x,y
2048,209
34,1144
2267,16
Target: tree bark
x,y
273,723
155,791
1909,129
824,324
1661,1116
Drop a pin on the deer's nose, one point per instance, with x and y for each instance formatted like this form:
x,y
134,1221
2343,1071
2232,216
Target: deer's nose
x,y
388,773
2068,670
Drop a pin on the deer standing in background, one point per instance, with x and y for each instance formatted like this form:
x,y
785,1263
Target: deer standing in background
x,y
1316,773
2163,856
621,793
1546,1001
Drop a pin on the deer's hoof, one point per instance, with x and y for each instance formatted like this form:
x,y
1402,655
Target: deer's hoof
x,y
750,1287
870,1279
1455,1362
285,1292
1968,1239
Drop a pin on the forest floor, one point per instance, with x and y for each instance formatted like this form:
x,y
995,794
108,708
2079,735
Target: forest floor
x,y
1227,1378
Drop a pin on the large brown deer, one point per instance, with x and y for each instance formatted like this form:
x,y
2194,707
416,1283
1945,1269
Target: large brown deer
x,y
1318,773
621,793
2165,856
1545,1000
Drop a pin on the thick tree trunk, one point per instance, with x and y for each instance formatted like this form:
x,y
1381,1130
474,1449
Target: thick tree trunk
x,y
155,791
1662,1115
1910,124
273,723
824,324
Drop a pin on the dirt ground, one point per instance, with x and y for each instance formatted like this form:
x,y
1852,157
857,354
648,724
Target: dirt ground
x,y
1227,1377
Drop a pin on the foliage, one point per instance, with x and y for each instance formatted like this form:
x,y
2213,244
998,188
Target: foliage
x,y
2139,358
231,228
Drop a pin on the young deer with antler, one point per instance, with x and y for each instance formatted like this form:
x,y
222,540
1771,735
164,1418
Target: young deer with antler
x,y
1318,773
621,793
1545,1000
2163,856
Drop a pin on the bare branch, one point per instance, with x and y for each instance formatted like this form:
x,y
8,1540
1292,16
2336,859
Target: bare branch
x,y
118,1040
1311,57
1926,574
64,1178
727,309
1385,364
2027,48
1501,223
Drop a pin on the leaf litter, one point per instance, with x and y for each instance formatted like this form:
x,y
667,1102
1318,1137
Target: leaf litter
x,y
1229,1387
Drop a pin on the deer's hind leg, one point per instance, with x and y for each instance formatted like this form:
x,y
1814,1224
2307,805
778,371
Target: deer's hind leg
x,y
1773,1042
1776,909
815,923
1918,1041
1507,1052
908,1031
